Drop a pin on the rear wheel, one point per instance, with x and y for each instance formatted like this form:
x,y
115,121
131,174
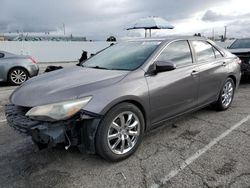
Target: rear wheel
x,y
17,76
120,132
226,95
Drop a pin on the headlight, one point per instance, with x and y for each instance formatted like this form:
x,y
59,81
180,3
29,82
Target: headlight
x,y
58,111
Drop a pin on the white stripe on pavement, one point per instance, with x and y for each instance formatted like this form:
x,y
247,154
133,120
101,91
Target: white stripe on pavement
x,y
2,120
191,159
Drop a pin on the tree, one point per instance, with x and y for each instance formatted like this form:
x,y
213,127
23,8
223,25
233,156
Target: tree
x,y
197,35
111,39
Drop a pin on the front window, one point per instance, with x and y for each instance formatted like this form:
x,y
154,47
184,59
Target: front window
x,y
240,43
177,52
124,56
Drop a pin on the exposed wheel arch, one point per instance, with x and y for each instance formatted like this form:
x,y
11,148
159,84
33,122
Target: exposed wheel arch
x,y
139,105
233,78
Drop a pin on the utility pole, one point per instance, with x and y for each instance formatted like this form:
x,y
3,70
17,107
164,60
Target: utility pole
x,y
213,34
63,28
225,33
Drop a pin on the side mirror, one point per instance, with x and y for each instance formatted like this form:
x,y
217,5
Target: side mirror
x,y
163,66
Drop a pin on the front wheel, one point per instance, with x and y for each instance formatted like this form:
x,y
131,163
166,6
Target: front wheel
x,y
226,95
120,132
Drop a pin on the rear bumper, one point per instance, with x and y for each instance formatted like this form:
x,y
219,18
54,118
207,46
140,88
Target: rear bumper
x,y
33,70
76,131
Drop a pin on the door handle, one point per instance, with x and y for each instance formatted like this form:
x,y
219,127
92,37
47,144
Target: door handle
x,y
194,73
224,64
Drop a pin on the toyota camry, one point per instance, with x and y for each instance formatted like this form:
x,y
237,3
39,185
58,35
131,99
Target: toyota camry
x,y
106,104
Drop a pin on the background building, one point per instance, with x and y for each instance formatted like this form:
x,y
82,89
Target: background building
x,y
40,37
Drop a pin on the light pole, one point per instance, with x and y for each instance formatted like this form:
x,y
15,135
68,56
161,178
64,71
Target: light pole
x,y
225,33
63,28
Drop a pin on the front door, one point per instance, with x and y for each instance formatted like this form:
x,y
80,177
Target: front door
x,y
175,91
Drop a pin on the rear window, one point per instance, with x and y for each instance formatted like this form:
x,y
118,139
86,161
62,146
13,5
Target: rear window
x,y
177,52
204,51
240,43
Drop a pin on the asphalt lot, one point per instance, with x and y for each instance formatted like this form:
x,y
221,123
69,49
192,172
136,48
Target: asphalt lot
x,y
201,149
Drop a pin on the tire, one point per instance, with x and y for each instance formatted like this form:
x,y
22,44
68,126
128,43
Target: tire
x,y
17,76
40,145
127,135
226,95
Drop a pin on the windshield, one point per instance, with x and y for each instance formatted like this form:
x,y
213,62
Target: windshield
x,y
240,43
124,56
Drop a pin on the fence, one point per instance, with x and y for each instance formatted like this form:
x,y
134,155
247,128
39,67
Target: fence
x,y
50,51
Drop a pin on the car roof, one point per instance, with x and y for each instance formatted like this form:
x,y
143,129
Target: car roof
x,y
4,52
247,38
167,39
7,54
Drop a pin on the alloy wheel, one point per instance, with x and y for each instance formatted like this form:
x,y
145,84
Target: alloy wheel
x,y
123,133
18,76
227,94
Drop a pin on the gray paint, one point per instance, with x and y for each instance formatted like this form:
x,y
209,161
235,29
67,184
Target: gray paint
x,y
161,96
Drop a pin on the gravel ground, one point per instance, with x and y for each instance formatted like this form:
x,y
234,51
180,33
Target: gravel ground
x,y
170,156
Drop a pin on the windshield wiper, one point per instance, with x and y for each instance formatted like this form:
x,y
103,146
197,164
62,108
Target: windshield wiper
x,y
104,68
97,67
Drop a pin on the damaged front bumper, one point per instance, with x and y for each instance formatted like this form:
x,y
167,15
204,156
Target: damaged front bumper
x,y
78,131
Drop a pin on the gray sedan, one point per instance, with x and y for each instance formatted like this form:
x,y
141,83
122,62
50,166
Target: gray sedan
x,y
16,69
106,104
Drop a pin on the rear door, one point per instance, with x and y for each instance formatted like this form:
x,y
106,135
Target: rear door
x,y
212,70
175,91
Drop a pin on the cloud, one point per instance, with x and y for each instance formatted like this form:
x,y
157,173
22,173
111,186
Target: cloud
x,y
211,16
239,28
98,18
238,24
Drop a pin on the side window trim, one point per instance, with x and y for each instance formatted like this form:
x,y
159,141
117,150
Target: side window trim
x,y
192,52
217,48
214,48
195,61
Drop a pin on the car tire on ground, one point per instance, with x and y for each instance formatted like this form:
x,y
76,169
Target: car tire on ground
x,y
120,132
40,145
17,76
226,95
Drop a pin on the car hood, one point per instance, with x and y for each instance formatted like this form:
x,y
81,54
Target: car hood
x,y
64,84
240,50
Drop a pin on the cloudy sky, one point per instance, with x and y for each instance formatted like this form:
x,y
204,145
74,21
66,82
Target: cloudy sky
x,y
98,19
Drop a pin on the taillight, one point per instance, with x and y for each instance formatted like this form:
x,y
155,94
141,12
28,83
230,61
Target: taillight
x,y
238,61
32,60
